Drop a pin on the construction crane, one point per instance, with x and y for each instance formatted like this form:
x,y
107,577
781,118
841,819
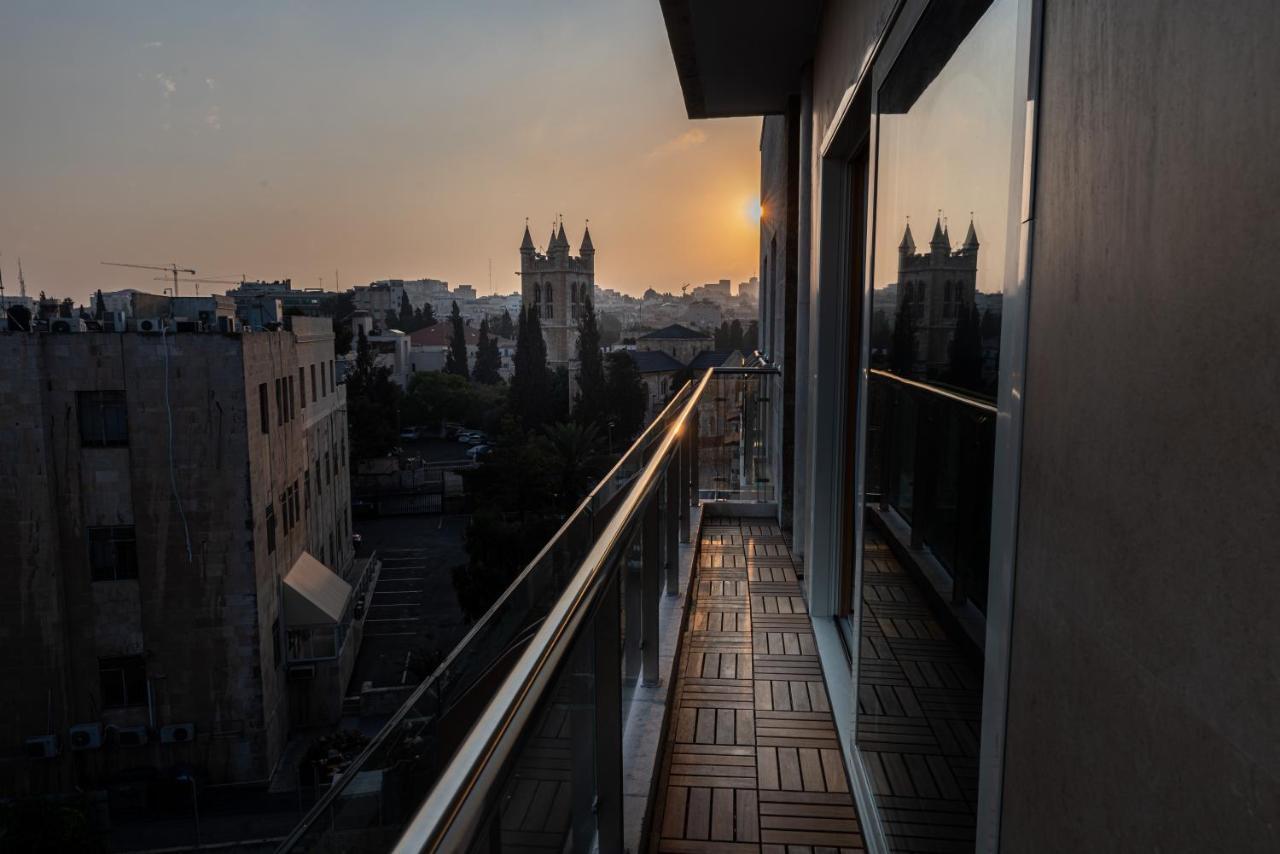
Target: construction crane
x,y
171,269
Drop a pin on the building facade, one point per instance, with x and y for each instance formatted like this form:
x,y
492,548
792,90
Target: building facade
x,y
1042,605
556,286
174,503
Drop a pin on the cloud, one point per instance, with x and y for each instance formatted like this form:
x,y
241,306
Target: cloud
x,y
210,82
684,141
212,119
167,86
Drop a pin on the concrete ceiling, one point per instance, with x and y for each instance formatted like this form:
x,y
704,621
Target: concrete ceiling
x,y
740,57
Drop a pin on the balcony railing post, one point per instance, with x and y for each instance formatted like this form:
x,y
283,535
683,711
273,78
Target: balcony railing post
x,y
671,524
682,457
650,584
584,716
694,458
608,726
633,618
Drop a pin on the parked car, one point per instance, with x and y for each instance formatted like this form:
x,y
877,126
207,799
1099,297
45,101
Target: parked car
x,y
410,434
476,438
477,452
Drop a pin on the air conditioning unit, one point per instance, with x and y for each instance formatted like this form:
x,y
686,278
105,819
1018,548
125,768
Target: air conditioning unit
x,y
41,747
132,736
150,324
178,734
86,736
67,324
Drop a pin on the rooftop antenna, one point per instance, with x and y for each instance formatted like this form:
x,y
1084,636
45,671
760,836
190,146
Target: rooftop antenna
x,y
171,268
22,283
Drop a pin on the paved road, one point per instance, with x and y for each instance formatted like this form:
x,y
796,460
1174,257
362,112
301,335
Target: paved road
x,y
414,612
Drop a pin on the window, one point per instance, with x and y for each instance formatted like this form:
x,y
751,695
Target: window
x,y
306,490
104,421
264,409
279,403
113,553
271,529
284,510
302,388
319,482
290,395
123,681
313,382
328,468
331,381
294,497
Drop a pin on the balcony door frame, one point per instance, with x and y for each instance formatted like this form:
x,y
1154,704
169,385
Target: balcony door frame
x,y
838,359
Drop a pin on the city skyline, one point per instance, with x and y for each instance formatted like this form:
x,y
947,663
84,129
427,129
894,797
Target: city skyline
x,y
296,142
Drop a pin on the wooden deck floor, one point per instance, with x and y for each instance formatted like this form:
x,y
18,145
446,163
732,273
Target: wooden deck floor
x,y
752,760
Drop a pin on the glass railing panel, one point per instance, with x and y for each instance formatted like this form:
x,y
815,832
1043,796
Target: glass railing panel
x,y
735,450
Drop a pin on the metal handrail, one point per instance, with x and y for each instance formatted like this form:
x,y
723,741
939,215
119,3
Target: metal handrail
x,y
454,809
388,729
974,402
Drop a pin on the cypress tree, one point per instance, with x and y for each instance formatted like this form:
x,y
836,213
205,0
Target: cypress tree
x,y
531,383
589,403
456,360
487,359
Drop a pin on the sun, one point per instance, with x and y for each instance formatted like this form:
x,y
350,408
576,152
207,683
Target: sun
x,y
752,212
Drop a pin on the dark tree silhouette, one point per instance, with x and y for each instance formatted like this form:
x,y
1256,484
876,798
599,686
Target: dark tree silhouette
x,y
627,394
589,405
965,367
99,306
506,326
343,308
373,405
456,360
406,312
531,382
488,361
902,347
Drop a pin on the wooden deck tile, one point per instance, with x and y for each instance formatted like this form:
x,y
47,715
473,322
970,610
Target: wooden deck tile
x,y
753,761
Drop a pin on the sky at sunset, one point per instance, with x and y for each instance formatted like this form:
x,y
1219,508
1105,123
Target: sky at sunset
x,y
384,140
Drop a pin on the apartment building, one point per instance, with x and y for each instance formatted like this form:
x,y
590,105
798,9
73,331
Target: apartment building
x,y
180,563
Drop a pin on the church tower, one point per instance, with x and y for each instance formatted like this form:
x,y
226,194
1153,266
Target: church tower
x,y
556,286
937,285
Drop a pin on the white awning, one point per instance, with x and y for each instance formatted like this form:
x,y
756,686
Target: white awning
x,y
313,594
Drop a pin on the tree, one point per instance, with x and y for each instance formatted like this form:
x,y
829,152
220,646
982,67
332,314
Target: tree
x,y
736,335
577,455
428,316
66,307
392,320
589,404
965,356
373,405
99,306
456,360
531,382
406,312
627,394
610,329
506,326
750,338
488,361
434,397
902,347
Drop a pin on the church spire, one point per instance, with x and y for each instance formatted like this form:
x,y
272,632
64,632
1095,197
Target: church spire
x,y
587,247
564,241
939,243
970,239
526,245
908,244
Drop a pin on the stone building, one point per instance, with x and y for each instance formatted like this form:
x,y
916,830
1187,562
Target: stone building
x,y
179,560
936,284
556,286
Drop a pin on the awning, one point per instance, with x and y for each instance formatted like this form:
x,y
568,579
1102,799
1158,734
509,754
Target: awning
x,y
313,594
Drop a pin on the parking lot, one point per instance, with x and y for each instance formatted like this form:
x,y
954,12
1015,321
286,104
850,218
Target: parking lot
x,y
413,614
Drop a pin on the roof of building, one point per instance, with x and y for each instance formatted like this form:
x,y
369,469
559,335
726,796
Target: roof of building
x,y
313,593
439,334
713,359
673,331
653,361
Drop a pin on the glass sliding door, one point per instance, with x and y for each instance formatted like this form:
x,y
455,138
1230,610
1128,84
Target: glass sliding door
x,y
944,116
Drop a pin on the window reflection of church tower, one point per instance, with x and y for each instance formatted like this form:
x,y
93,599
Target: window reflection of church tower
x,y
936,286
556,287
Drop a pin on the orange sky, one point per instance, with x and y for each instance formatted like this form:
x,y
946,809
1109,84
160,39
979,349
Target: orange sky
x,y
386,141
